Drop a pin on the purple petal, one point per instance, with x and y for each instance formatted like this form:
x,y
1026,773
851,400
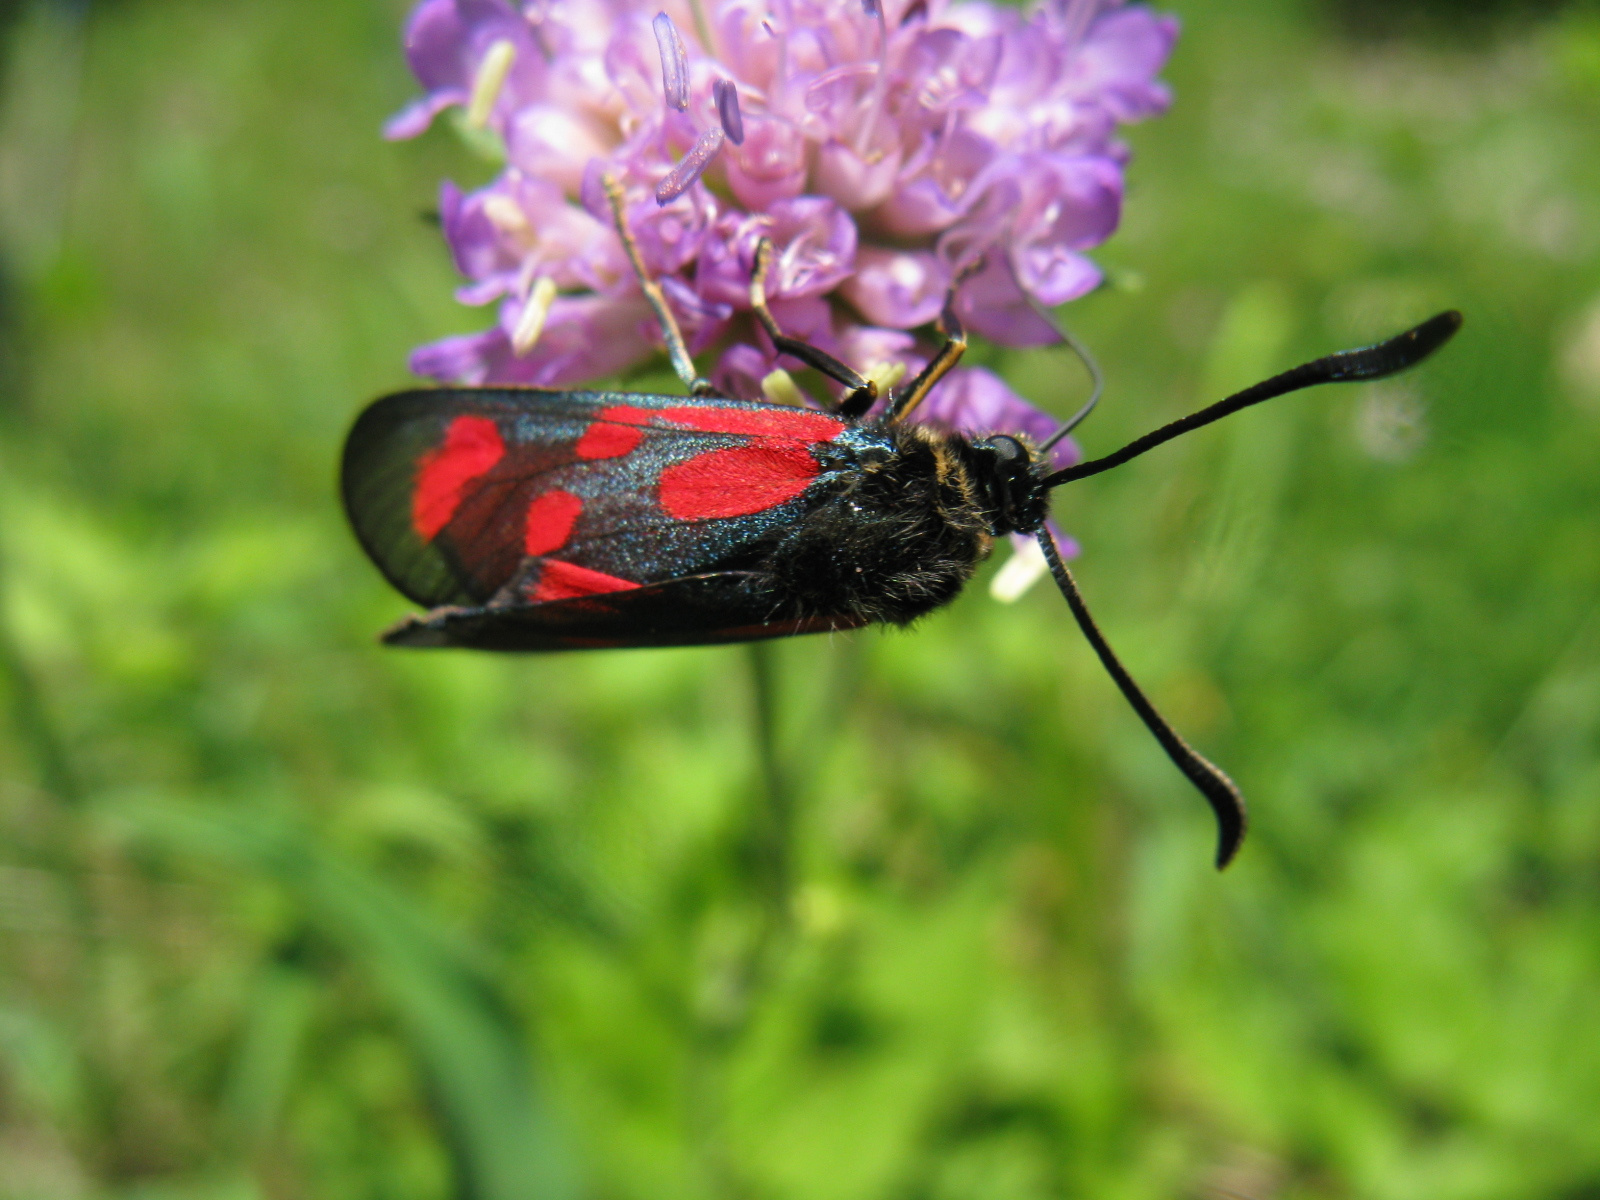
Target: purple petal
x,y
815,246
503,235
469,234
814,251
671,236
415,117
433,39
741,369
993,304
464,359
546,141
939,186
769,166
1066,199
834,98
1053,275
702,321
1119,59
674,62
445,43
1070,201
977,402
854,181
945,69
903,288
584,338
486,290
864,347
1031,64
809,318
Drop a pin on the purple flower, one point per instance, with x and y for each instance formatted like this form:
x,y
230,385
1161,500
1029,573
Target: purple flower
x,y
886,148
977,401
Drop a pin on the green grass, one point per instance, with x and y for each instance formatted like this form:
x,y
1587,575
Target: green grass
x,y
283,914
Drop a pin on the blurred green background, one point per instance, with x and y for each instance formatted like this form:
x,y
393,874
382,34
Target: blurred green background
x,y
283,914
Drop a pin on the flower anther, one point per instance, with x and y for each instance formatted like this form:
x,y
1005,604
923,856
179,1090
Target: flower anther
x,y
489,80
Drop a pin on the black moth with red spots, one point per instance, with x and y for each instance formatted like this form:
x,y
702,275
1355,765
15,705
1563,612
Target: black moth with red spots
x,y
537,520
528,519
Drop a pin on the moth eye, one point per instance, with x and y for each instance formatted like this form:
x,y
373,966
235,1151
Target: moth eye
x,y
1007,449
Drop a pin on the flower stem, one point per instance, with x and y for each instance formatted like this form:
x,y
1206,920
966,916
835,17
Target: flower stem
x,y
776,825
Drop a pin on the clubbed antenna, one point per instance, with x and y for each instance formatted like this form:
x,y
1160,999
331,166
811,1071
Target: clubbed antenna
x,y
1369,362
1220,791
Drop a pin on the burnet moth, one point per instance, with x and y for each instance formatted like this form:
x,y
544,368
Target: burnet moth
x,y
531,519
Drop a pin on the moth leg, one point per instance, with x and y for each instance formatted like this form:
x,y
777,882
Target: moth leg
x,y
949,354
677,349
863,392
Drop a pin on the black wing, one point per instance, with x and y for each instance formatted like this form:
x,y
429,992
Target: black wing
x,y
696,610
459,493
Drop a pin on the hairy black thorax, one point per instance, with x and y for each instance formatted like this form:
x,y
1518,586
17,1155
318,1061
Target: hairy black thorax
x,y
899,521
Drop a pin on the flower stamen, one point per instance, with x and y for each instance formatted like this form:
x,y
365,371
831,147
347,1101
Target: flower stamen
x,y
779,387
886,375
505,214
726,94
674,62
534,314
489,80
682,177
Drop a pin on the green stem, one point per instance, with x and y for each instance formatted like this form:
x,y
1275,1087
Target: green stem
x,y
775,843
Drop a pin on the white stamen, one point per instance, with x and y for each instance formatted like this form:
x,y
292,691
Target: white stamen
x,y
682,176
486,84
674,62
1023,569
531,323
505,214
780,388
886,375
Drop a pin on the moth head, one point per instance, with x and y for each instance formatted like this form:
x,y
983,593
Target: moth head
x,y
1012,476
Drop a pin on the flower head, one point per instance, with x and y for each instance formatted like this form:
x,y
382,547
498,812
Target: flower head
x,y
886,147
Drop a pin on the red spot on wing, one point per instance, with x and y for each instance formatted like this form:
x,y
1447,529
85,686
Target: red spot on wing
x,y
605,439
471,447
567,581
774,466
551,517
737,481
789,424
